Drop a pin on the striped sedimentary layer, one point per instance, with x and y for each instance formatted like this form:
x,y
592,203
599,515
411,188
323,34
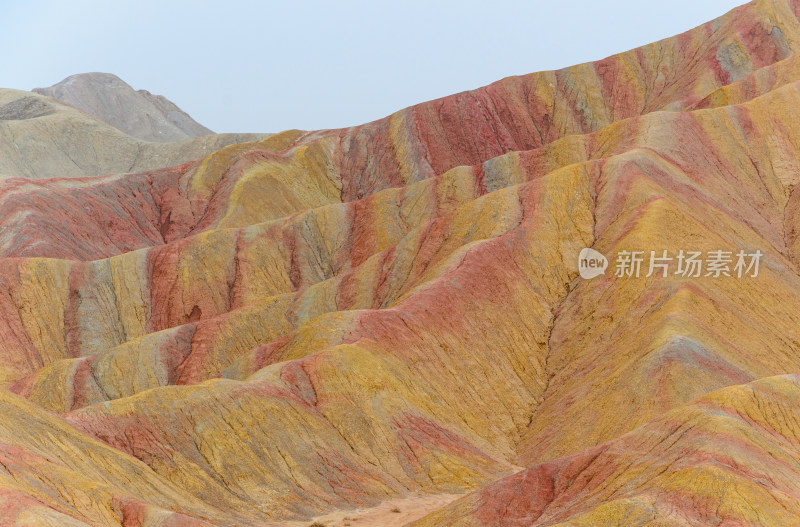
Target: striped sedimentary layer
x,y
729,457
330,319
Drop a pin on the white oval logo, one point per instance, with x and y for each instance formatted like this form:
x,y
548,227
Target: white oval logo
x,y
591,263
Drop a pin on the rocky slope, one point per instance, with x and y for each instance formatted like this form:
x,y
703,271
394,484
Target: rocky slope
x,y
328,320
730,457
138,113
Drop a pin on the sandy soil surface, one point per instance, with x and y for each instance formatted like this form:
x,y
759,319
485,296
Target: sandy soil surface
x,y
384,515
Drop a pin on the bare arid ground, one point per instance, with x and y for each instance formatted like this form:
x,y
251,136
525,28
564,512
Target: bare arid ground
x,y
385,514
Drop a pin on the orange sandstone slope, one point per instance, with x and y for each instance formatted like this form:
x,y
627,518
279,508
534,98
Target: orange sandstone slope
x,y
730,457
327,320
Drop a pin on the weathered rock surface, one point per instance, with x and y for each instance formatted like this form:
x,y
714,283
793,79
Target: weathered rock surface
x,y
729,458
325,320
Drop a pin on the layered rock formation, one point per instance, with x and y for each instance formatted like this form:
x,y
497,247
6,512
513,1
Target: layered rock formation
x,y
327,320
730,457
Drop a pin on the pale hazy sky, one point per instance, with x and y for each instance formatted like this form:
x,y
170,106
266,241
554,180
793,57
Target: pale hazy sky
x,y
261,66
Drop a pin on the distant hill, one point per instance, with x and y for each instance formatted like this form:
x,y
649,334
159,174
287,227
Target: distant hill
x,y
43,137
138,113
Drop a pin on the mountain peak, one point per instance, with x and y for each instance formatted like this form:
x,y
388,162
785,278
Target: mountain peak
x,y
137,113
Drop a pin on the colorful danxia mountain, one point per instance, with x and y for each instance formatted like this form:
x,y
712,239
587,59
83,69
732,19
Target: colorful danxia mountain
x,y
385,325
